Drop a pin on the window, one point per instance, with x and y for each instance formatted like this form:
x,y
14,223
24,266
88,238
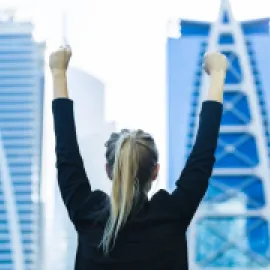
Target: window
x,y
218,242
236,109
236,150
225,188
234,73
225,39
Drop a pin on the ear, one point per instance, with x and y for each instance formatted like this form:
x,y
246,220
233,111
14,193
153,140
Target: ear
x,y
155,172
108,171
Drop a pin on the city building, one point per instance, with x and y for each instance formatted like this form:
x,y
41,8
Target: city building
x,y
88,94
231,227
21,118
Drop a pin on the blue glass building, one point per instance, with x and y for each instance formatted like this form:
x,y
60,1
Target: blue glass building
x,y
231,228
21,109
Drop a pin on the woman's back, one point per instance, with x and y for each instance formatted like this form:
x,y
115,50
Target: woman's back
x,y
152,238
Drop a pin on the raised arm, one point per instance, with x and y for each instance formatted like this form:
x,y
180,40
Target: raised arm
x,y
72,179
193,182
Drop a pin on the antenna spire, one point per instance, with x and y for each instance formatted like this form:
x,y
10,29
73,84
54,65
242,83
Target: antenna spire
x,y
64,28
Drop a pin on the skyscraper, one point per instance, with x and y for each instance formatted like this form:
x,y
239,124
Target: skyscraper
x,y
231,228
21,110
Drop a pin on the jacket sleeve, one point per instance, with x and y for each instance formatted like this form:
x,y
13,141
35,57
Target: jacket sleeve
x,y
72,179
193,181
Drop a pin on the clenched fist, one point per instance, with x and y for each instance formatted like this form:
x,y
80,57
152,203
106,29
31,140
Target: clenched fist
x,y
215,62
59,59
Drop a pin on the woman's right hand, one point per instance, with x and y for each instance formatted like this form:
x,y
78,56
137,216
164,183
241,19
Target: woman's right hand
x,y
215,65
215,62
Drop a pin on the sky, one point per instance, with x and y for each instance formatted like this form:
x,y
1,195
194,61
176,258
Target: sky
x,y
123,43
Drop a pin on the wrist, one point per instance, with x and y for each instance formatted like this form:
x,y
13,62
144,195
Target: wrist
x,y
215,91
219,74
59,73
217,80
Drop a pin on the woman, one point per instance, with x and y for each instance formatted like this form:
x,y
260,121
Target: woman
x,y
126,230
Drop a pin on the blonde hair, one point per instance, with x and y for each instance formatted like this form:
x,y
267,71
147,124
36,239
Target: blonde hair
x,y
131,156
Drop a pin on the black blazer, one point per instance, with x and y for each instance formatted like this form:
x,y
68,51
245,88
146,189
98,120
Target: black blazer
x,y
154,238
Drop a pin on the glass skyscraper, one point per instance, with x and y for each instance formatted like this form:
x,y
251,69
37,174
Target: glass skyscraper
x,y
21,124
231,228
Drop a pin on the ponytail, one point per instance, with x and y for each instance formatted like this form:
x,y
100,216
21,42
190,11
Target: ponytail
x,y
124,188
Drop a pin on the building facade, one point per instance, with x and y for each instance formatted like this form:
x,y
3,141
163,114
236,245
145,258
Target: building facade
x,y
21,106
231,227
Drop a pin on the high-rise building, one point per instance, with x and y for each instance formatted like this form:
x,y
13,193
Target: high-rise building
x,y
21,110
88,94
231,227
